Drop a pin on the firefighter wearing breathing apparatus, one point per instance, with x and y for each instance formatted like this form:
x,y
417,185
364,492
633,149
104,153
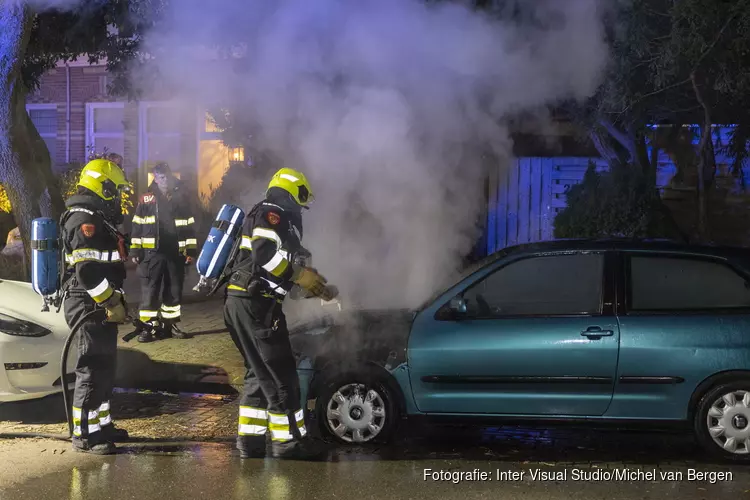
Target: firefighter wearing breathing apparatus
x,y
163,243
261,276
95,255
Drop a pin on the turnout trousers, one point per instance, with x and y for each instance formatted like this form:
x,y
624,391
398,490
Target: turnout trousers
x,y
162,279
95,369
270,402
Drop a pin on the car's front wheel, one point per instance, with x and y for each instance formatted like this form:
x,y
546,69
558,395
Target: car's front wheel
x,y
722,420
357,409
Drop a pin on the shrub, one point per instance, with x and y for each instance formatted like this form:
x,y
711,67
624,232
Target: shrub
x,y
4,201
622,202
234,188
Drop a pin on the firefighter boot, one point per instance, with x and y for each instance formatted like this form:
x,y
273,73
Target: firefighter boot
x,y
170,329
148,333
251,446
114,434
303,449
94,447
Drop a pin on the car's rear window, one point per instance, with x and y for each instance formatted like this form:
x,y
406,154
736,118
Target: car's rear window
x,y
666,283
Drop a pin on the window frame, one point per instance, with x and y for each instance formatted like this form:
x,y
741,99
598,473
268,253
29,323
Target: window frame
x,y
606,296
144,135
46,135
201,115
92,135
625,287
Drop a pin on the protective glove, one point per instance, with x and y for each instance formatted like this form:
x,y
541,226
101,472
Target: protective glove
x,y
310,280
116,308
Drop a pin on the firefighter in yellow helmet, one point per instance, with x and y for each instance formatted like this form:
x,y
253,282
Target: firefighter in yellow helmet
x,y
261,277
95,255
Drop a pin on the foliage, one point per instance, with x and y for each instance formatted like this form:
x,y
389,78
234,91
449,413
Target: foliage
x,y
87,30
621,202
4,201
656,45
236,183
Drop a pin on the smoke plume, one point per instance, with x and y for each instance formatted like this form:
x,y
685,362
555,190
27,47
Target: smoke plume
x,y
394,109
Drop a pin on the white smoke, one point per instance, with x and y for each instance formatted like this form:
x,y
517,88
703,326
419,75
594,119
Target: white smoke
x,y
43,5
393,107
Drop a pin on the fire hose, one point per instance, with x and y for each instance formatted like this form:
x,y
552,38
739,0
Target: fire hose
x,y
65,390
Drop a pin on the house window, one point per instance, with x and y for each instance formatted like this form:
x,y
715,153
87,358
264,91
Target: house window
x,y
105,127
44,117
161,136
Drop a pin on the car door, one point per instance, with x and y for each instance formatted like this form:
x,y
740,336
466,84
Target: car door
x,y
537,337
685,317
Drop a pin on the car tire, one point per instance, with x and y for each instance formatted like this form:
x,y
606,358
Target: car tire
x,y
349,403
721,420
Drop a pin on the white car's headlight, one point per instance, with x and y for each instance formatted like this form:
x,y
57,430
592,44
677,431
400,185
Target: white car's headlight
x,y
20,328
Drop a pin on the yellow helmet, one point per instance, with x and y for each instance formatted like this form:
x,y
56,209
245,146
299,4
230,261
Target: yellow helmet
x,y
294,183
104,178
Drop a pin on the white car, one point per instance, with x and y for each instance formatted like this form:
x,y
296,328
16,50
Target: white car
x,y
31,344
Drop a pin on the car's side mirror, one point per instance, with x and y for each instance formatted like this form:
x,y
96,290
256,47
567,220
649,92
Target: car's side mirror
x,y
457,306
452,311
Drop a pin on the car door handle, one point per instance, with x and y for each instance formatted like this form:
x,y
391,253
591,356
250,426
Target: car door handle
x,y
595,332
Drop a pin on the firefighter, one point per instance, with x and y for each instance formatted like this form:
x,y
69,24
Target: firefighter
x,y
260,278
163,236
95,255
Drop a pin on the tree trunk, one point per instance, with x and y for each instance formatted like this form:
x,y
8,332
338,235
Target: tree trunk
x,y
642,156
605,150
25,166
701,164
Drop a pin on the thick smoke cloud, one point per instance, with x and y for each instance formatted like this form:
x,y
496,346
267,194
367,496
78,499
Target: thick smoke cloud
x,y
393,108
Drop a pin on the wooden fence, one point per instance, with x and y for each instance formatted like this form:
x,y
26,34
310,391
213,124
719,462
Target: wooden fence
x,y
526,195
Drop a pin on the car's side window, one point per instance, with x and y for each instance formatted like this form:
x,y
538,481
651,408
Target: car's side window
x,y
552,285
661,283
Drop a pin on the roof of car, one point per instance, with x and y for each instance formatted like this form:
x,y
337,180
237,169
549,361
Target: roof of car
x,y
629,244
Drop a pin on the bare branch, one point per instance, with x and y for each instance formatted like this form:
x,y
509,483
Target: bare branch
x,y
651,94
711,47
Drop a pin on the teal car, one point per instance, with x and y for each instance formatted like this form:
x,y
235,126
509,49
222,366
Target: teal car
x,y
605,330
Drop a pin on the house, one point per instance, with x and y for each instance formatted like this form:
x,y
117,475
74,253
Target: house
x,y
73,112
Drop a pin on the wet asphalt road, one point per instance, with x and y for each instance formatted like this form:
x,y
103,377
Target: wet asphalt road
x,y
508,457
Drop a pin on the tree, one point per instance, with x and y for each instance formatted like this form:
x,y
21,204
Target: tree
x,y
31,43
618,203
675,63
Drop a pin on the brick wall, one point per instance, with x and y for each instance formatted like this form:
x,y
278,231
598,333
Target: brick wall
x,y
88,84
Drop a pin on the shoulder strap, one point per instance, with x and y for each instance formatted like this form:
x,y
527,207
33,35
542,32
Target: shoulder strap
x,y
236,249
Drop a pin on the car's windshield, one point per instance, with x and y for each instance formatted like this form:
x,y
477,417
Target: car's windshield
x,y
463,274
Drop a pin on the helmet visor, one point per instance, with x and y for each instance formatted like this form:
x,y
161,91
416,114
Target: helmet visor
x,y
305,196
